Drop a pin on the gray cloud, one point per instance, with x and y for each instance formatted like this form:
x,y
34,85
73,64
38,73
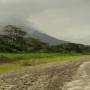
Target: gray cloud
x,y
64,19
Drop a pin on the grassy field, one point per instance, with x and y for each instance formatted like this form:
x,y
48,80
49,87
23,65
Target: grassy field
x,y
26,59
27,56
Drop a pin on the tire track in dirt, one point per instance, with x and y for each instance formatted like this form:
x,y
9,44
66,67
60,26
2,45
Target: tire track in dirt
x,y
51,76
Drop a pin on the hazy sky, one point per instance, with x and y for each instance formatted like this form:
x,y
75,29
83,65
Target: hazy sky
x,y
63,19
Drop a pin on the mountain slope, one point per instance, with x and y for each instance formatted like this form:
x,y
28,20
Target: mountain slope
x,y
46,38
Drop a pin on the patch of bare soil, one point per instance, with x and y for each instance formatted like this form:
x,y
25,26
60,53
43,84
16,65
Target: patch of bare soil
x,y
51,76
7,60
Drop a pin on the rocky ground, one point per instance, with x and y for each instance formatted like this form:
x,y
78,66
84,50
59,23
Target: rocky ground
x,y
51,76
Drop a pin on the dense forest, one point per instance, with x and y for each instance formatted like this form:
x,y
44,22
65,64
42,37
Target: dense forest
x,y
14,39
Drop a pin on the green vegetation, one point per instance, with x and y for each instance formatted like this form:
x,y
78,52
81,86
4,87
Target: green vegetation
x,y
18,50
28,56
9,67
25,60
16,40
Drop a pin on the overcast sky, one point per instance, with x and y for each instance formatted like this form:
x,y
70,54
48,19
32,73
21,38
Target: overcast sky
x,y
63,19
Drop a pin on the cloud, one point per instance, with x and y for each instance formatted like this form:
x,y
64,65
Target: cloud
x,y
57,23
64,19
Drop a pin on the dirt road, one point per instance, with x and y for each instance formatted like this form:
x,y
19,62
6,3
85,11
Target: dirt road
x,y
51,76
81,80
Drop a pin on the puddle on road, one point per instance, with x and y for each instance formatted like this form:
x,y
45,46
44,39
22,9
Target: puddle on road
x,y
81,81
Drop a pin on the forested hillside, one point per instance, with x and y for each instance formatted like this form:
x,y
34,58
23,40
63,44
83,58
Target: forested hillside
x,y
15,39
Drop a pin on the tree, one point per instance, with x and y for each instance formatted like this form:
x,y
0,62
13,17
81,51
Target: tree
x,y
14,38
15,34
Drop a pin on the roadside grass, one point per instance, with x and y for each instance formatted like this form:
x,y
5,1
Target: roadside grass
x,y
9,67
31,59
27,56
